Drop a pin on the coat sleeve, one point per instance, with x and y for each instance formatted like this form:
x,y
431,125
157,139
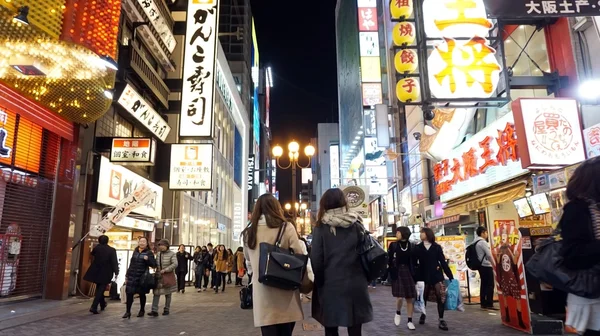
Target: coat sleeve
x,y
444,264
114,262
578,241
151,262
391,249
318,255
247,256
173,264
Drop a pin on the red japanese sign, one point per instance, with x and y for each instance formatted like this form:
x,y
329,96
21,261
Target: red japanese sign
x,y
367,19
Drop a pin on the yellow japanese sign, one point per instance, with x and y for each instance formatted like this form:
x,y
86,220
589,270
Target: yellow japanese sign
x,y
406,61
401,8
404,33
408,90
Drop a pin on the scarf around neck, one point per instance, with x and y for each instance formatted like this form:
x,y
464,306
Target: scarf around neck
x,y
340,217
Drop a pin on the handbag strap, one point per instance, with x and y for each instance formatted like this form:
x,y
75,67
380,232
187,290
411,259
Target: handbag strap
x,y
160,260
280,234
595,213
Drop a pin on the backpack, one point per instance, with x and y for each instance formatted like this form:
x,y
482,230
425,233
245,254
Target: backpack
x,y
471,257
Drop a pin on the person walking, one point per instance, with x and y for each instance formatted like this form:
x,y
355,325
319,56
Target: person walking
x,y
221,266
486,270
431,262
240,266
580,232
104,265
230,257
140,262
340,295
197,274
275,310
182,267
402,273
167,280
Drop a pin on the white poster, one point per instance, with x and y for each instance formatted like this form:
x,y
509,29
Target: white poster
x,y
377,179
144,113
238,215
334,165
159,23
369,43
117,182
592,141
199,67
191,167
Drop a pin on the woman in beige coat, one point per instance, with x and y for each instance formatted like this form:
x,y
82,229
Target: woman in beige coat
x,y
276,311
166,261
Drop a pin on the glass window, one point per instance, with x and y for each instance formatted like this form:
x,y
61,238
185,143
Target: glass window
x,y
123,128
536,49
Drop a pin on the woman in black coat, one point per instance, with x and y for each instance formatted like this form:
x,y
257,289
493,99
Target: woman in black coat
x,y
431,263
101,271
141,261
182,267
340,296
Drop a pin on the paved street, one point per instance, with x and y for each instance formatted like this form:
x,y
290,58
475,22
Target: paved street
x,y
211,314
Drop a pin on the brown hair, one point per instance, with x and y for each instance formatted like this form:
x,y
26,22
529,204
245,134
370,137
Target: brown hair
x,y
331,199
585,183
429,234
268,206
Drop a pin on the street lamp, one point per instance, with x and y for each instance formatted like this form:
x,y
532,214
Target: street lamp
x,y
288,206
294,155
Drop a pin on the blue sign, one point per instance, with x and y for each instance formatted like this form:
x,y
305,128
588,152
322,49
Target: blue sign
x,y
238,158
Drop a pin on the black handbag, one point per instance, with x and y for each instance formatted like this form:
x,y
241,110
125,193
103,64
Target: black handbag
x,y
148,281
373,257
281,268
246,297
547,265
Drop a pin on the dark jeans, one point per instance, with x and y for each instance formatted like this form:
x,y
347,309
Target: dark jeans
x,y
205,278
181,280
285,329
352,331
130,302
220,278
99,297
487,286
198,278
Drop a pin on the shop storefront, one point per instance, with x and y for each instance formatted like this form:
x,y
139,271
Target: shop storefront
x,y
201,225
30,147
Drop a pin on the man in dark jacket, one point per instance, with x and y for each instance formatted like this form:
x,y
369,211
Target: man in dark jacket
x,y
101,271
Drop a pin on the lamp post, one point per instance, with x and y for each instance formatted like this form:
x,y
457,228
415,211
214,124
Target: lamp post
x,y
294,155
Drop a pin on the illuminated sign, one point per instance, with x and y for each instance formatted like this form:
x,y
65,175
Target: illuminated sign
x,y
159,23
401,8
489,157
238,218
5,151
136,224
549,131
191,167
367,3
406,61
370,69
133,150
369,44
199,67
251,172
447,131
372,94
591,136
334,165
408,90
404,33
133,103
367,19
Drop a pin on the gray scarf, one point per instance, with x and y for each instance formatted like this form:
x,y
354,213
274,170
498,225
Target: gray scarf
x,y
340,217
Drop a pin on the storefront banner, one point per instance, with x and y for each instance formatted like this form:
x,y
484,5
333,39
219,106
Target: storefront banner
x,y
117,183
358,199
159,23
510,275
591,136
191,167
486,159
199,67
548,132
138,151
139,108
513,9
141,196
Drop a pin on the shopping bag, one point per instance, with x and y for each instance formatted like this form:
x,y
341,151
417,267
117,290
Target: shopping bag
x,y
123,294
452,294
420,301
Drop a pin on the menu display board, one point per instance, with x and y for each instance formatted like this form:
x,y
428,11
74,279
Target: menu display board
x,y
540,204
454,249
523,207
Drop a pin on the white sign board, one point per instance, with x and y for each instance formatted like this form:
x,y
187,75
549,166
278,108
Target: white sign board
x,y
136,224
191,167
199,67
334,165
592,141
358,199
159,23
369,43
144,113
133,150
238,215
117,183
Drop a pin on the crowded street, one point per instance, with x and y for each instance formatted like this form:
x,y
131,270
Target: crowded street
x,y
209,314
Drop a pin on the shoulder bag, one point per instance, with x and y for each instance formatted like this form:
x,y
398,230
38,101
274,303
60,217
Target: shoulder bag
x,y
168,279
373,257
281,268
547,265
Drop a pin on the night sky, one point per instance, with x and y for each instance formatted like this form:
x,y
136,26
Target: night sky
x,y
298,42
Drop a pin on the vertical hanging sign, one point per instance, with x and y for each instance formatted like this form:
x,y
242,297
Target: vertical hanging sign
x,y
199,68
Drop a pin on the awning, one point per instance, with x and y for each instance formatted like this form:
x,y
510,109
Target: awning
x,y
497,195
443,221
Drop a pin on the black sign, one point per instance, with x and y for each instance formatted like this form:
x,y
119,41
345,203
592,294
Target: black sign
x,y
512,9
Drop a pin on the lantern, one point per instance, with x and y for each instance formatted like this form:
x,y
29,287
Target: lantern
x,y
401,8
406,61
404,33
408,90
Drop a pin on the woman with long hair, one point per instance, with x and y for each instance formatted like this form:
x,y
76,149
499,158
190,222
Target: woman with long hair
x,y
221,266
431,262
580,231
141,261
403,279
275,310
340,295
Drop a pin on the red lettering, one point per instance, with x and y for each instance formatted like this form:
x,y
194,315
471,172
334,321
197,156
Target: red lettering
x,y
507,142
487,155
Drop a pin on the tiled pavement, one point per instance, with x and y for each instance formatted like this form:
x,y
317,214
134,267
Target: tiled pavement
x,y
209,314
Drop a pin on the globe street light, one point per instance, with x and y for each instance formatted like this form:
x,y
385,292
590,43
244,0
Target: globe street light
x,y
294,157
288,206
